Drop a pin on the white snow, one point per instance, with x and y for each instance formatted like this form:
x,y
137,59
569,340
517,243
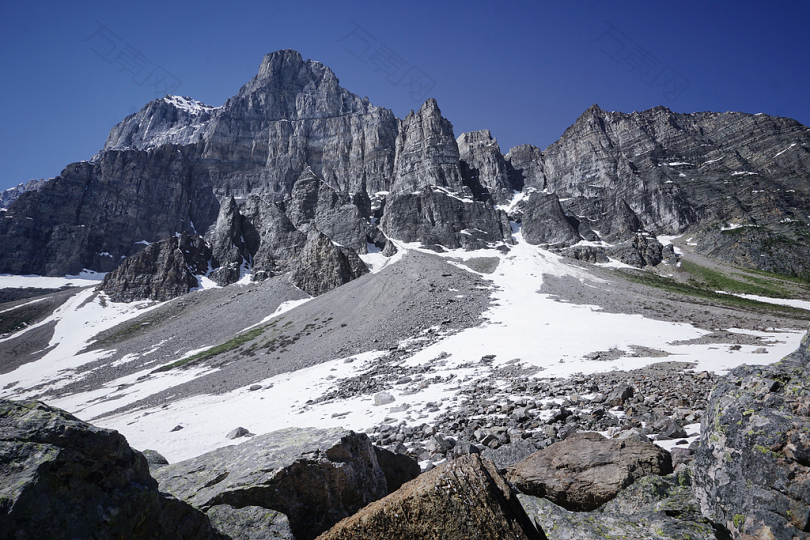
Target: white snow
x,y
785,150
802,304
667,240
192,106
518,196
76,321
538,329
83,279
678,163
743,173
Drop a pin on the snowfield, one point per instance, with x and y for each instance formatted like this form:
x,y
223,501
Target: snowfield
x,y
521,324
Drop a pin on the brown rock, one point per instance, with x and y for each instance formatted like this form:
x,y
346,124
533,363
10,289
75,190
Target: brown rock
x,y
465,498
586,470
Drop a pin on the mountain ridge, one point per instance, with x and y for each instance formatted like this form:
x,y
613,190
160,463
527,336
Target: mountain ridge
x,y
170,168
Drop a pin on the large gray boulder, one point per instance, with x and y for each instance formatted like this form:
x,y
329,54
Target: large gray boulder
x,y
586,470
62,478
250,523
315,477
464,498
653,508
324,266
752,465
435,216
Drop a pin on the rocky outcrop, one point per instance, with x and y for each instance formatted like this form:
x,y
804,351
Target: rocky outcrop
x,y
525,167
161,271
640,251
590,254
483,167
94,214
543,221
586,470
312,202
10,195
436,216
752,466
653,508
62,478
271,238
315,477
324,265
465,498
228,245
427,152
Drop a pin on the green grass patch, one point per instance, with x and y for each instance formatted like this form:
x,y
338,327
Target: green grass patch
x,y
229,345
695,290
718,281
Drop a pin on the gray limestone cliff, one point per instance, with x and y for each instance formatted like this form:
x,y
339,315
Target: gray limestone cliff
x,y
292,149
427,152
484,168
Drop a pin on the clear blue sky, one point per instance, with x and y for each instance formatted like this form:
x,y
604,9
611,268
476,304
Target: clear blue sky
x,y
524,70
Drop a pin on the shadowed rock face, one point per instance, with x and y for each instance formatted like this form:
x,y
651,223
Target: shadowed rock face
x,y
484,168
315,477
434,216
162,271
544,221
62,478
324,266
465,498
753,461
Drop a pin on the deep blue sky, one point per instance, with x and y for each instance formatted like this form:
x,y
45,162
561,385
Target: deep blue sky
x,y
524,70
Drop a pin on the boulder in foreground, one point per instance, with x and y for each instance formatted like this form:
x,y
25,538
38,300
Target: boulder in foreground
x,y
315,477
61,478
752,466
652,508
464,498
586,470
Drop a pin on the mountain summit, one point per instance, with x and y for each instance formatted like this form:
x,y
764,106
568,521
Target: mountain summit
x,y
736,182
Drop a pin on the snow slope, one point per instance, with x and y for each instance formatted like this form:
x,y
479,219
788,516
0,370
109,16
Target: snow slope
x,y
521,324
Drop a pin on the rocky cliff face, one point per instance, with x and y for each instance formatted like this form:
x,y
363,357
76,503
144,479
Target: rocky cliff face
x,y
427,152
293,149
484,168
711,173
162,271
